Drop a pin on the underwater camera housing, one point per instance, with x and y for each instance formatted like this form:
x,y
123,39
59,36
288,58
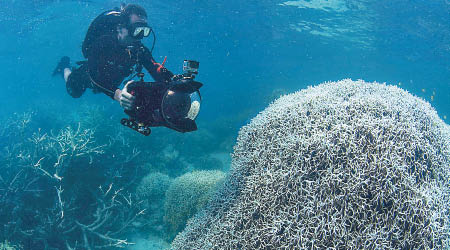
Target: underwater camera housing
x,y
173,104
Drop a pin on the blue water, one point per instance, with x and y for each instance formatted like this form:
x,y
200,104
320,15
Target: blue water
x,y
250,52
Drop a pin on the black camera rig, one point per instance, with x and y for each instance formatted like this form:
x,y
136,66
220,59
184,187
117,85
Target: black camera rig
x,y
174,104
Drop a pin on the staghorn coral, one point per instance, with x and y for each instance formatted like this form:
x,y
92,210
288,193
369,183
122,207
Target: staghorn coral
x,y
188,194
61,191
343,165
7,246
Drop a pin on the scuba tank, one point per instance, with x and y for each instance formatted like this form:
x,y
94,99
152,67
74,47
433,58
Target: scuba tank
x,y
103,25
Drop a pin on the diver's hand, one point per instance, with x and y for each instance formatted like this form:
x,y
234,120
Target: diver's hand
x,y
125,99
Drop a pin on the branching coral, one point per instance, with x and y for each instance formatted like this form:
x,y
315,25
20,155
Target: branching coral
x,y
47,198
57,151
8,246
343,165
153,186
188,194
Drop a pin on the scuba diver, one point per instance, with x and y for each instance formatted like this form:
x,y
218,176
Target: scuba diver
x,y
114,51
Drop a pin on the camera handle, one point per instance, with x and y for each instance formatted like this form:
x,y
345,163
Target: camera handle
x,y
140,128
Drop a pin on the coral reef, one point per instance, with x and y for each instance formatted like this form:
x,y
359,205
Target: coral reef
x,y
342,165
188,194
7,246
149,243
63,189
153,187
69,180
151,192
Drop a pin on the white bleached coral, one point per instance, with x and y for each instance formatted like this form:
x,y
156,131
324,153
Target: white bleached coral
x,y
343,165
153,187
188,194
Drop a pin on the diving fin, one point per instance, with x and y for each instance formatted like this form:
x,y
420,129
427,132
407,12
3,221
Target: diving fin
x,y
62,64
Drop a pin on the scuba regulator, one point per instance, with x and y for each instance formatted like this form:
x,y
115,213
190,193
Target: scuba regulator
x,y
173,104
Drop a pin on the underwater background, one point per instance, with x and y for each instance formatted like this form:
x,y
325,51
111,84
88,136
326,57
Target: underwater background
x,y
250,53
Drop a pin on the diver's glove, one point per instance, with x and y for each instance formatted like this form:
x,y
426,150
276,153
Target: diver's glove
x,y
62,64
126,99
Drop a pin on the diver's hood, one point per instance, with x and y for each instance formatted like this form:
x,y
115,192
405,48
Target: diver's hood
x,y
180,105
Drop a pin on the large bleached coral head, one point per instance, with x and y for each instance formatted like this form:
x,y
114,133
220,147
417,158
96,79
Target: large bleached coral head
x,y
343,165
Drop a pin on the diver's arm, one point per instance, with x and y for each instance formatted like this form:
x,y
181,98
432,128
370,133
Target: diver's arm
x,y
156,70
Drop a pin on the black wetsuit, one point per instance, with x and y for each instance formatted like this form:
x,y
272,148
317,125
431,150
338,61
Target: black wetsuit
x,y
108,62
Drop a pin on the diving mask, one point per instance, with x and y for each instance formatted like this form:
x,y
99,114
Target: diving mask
x,y
139,30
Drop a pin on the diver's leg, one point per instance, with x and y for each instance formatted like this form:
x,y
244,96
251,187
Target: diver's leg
x,y
63,64
67,72
77,80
